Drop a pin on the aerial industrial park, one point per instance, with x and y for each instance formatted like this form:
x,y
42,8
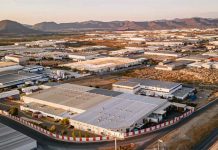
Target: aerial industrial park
x,y
97,93
105,85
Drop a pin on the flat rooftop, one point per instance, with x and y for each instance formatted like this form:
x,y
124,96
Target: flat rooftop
x,y
7,64
150,83
121,111
101,62
6,78
11,139
70,95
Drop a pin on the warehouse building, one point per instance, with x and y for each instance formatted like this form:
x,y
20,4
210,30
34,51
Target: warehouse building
x,y
153,88
15,94
9,66
195,58
15,79
163,53
14,140
17,58
99,111
83,56
104,64
169,66
128,50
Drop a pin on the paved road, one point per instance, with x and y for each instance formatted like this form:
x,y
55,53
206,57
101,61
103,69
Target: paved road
x,y
47,143
208,141
181,123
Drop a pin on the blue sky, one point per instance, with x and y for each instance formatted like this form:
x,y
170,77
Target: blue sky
x,y
34,11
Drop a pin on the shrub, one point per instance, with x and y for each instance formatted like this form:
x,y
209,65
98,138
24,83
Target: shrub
x,y
65,121
13,111
52,128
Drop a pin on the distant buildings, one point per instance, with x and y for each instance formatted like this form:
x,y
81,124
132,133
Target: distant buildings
x,y
163,53
82,56
9,66
17,58
128,50
172,65
153,88
16,79
105,64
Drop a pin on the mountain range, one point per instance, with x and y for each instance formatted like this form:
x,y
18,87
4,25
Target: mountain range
x,y
11,27
8,27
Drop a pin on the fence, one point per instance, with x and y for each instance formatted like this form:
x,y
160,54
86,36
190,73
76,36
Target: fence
x,y
57,136
159,126
99,138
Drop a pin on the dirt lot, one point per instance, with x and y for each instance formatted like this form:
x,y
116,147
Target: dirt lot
x,y
190,76
100,81
193,132
185,75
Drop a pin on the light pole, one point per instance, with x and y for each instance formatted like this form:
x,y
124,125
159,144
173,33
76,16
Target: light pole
x,y
159,141
115,142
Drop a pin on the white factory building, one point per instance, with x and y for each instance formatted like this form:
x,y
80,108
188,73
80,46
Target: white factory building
x,y
82,56
128,50
153,88
105,64
164,43
9,66
163,53
95,110
17,58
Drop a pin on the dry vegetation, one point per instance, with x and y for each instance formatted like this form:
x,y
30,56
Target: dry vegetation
x,y
101,82
185,75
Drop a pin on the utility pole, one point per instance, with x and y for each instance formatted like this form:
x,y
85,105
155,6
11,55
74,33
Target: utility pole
x,y
115,142
158,145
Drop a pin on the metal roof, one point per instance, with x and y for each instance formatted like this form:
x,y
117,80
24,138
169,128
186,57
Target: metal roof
x,y
126,83
6,78
69,95
105,92
155,83
11,139
121,111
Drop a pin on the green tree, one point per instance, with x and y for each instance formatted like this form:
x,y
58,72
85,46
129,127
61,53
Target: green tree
x,y
52,128
13,111
65,121
73,134
63,132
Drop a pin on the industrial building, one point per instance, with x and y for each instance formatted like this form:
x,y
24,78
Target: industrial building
x,y
14,93
95,110
17,58
153,88
163,53
164,43
9,66
104,64
83,56
195,58
14,140
207,65
169,65
16,79
128,50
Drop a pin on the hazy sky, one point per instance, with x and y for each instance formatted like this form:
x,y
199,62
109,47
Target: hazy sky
x,y
34,11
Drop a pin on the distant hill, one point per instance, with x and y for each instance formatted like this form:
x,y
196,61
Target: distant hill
x,y
8,27
128,25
